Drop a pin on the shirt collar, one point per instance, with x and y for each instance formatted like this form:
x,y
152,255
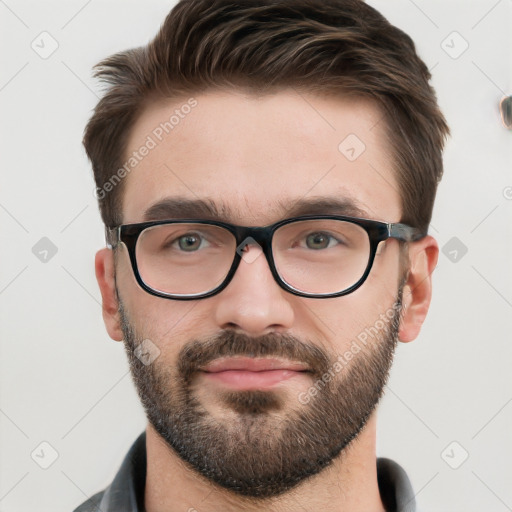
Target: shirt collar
x,y
126,492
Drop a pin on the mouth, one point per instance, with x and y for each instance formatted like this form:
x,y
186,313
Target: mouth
x,y
244,373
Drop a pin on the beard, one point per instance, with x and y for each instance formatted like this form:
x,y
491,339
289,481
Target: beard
x,y
268,441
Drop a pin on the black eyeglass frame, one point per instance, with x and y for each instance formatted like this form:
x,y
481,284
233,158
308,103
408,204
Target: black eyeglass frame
x,y
377,232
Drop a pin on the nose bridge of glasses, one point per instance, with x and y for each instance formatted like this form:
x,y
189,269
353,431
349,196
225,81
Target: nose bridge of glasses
x,y
252,236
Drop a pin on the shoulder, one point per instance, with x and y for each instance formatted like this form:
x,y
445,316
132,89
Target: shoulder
x,y
92,504
395,487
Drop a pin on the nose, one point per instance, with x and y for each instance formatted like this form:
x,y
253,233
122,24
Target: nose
x,y
253,302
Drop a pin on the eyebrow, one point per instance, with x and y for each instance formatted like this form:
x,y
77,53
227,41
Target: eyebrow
x,y
180,208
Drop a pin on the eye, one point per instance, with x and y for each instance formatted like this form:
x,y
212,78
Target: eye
x,y
189,242
320,240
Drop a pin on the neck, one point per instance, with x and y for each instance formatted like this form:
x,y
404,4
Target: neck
x,y
348,484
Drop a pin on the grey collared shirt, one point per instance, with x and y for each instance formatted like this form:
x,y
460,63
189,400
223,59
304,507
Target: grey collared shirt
x,y
126,492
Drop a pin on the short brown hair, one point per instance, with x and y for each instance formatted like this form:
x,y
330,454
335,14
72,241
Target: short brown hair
x,y
336,46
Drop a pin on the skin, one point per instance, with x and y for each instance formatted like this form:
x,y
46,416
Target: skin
x,y
251,154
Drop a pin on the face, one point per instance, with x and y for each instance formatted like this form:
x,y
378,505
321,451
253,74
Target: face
x,y
322,362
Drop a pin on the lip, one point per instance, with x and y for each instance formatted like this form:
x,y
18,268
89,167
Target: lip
x,y
253,364
244,373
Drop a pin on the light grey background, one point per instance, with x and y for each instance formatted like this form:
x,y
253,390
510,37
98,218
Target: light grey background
x,y
64,382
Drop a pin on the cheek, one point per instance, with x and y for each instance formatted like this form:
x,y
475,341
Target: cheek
x,y
165,322
339,321
169,322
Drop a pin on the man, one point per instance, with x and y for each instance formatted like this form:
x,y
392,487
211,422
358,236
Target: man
x,y
266,174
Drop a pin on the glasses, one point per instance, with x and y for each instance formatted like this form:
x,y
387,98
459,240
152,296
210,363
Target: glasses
x,y
506,111
318,256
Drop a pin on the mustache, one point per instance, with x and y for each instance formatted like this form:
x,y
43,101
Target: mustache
x,y
197,353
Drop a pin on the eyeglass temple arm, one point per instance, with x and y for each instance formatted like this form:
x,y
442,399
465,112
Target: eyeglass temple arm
x,y
404,232
112,236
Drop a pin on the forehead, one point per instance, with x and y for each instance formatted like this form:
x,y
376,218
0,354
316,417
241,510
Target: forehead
x,y
254,160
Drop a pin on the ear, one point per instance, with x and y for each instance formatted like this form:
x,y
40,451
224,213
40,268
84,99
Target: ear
x,y
104,264
423,256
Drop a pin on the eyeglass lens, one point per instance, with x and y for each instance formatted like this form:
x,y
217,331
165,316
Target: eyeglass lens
x,y
320,256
